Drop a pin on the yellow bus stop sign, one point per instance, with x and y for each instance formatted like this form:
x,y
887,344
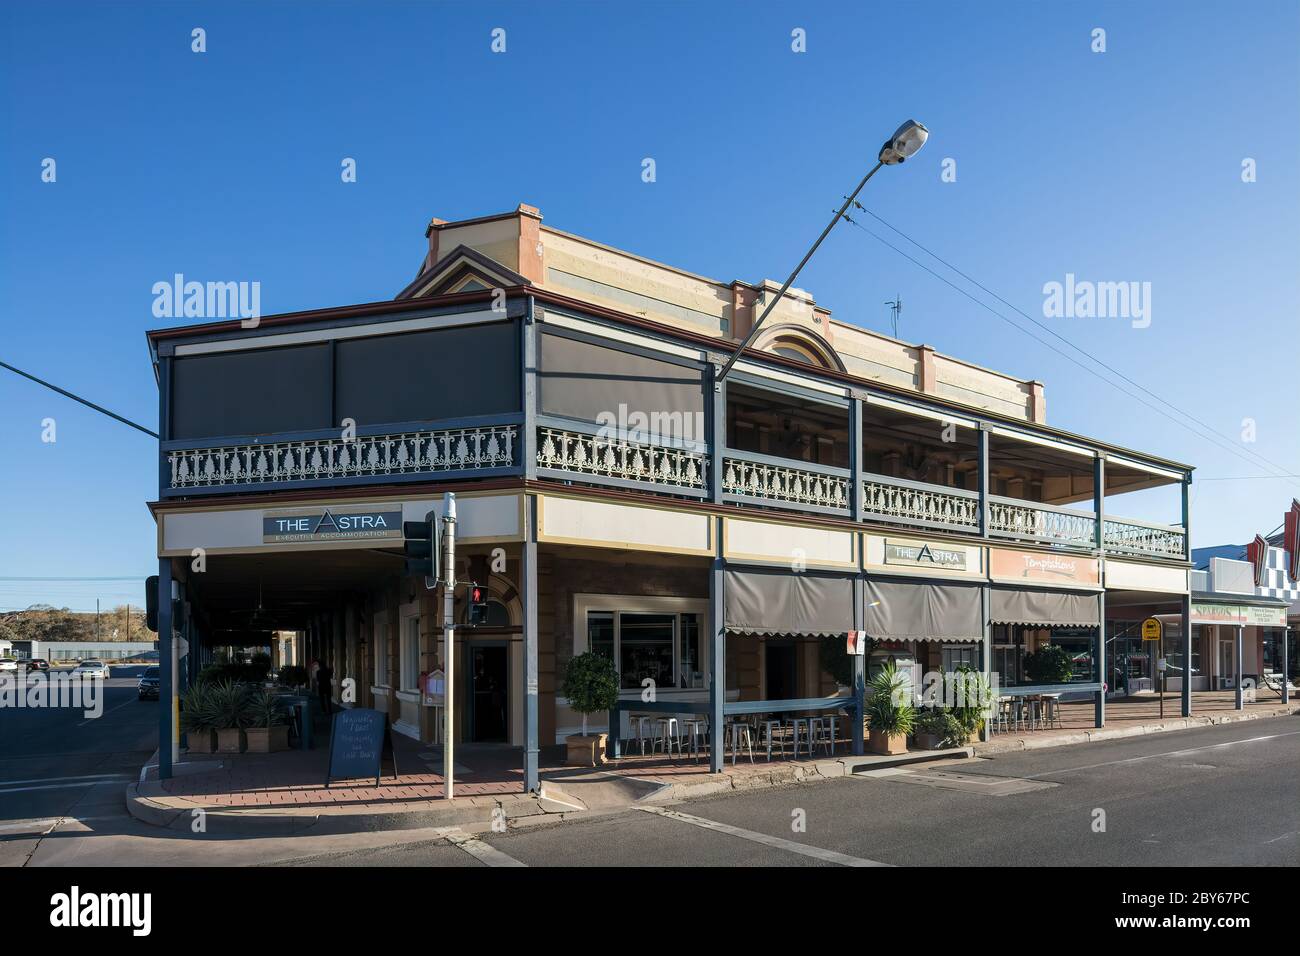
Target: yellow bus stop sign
x,y
1151,629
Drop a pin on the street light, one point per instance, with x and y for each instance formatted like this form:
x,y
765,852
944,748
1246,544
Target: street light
x,y
903,145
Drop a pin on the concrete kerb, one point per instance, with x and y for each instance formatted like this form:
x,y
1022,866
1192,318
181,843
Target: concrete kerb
x,y
1004,743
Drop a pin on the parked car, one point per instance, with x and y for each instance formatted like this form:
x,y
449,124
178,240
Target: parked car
x,y
8,664
148,686
91,669
37,664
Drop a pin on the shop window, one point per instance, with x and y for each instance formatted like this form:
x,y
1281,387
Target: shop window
x,y
662,646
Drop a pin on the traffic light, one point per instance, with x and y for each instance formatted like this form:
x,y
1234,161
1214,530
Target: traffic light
x,y
421,548
476,606
151,603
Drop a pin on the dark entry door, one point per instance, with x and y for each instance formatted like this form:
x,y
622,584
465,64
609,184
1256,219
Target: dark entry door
x,y
780,665
488,693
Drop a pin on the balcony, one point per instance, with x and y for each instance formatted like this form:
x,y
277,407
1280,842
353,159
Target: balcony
x,y
285,462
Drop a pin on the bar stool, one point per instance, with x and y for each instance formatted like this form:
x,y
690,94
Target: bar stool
x,y
666,734
739,733
795,723
637,724
823,734
693,729
766,728
1052,711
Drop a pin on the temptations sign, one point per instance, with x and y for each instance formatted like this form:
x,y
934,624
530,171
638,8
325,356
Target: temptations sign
x,y
325,525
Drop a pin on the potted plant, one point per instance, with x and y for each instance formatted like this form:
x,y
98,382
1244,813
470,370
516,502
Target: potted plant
x,y
230,707
591,685
890,714
198,720
936,728
269,731
972,698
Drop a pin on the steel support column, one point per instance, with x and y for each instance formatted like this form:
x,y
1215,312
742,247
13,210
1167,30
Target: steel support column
x,y
166,687
529,585
1241,641
984,480
1099,699
859,671
1099,542
1187,655
1286,670
717,652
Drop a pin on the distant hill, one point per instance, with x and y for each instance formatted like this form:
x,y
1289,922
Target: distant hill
x,y
43,622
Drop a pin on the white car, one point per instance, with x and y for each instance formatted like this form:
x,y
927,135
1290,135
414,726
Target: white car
x,y
91,669
8,664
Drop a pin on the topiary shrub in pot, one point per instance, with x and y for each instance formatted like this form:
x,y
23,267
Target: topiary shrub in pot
x,y
591,686
890,713
269,730
232,710
198,719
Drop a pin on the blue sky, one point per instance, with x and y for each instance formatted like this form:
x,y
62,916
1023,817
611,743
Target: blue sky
x,y
1115,166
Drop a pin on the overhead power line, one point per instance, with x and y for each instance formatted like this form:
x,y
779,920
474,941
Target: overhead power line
x,y
77,398
1213,436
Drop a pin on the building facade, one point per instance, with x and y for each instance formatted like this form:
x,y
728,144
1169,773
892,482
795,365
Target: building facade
x,y
717,539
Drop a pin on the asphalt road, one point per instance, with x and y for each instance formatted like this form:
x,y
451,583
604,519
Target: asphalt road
x,y
1223,795
58,766
1214,796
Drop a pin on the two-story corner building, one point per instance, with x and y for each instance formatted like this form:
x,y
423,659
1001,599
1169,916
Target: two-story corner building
x,y
715,538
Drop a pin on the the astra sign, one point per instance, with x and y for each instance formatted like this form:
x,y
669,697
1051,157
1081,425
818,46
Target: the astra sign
x,y
331,526
925,555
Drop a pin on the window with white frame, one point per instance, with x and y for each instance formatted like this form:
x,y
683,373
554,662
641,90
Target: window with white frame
x,y
655,639
408,654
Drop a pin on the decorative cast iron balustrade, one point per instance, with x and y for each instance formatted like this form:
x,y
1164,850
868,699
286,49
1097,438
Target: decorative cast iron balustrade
x,y
452,449
1041,523
1133,537
782,483
594,455
934,506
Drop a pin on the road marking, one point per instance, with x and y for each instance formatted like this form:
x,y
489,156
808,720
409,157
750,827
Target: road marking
x,y
487,855
35,826
1170,753
816,852
84,776
72,782
106,713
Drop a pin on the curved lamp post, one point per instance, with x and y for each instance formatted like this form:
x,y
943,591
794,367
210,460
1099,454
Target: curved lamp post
x,y
903,145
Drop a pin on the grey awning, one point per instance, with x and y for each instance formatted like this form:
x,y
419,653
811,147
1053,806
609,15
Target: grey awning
x,y
785,602
922,611
1044,608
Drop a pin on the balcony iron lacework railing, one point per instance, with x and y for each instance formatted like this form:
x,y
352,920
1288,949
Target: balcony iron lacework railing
x,y
453,449
929,506
1135,537
1041,523
599,456
783,483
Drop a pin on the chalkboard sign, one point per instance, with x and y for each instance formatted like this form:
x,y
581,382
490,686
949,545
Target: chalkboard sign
x,y
359,740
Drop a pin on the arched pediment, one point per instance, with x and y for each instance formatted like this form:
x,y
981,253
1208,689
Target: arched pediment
x,y
801,344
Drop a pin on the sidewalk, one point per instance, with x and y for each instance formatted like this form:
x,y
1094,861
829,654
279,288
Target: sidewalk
x,y
1129,717
284,793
